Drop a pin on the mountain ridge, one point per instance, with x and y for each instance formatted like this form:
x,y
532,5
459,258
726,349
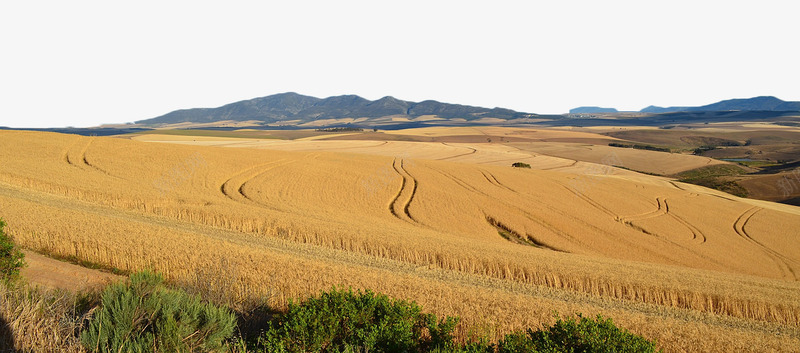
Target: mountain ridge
x,y
293,106
760,103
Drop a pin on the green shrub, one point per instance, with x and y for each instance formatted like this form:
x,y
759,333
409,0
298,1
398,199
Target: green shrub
x,y
11,259
145,316
343,321
521,165
584,335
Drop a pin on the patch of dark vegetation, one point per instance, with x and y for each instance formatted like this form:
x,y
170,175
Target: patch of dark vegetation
x,y
710,141
640,147
717,177
795,201
110,131
700,150
638,171
340,129
11,259
781,167
581,335
729,186
144,315
521,165
717,170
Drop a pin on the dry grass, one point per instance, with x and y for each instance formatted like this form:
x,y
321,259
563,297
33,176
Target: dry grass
x,y
37,320
285,224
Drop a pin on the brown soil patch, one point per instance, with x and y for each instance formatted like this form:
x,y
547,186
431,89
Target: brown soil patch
x,y
47,272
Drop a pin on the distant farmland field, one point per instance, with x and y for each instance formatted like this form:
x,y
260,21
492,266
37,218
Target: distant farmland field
x,y
448,224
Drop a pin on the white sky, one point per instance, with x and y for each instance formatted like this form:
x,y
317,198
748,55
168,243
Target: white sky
x,y
84,63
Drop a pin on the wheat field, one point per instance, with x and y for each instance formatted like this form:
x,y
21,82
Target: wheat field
x,y
693,268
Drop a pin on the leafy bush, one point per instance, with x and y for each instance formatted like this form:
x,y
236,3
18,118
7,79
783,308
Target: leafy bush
x,y
598,335
11,259
145,316
343,321
521,165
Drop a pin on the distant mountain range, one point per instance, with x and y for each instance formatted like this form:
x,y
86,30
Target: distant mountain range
x,y
292,108
589,110
764,103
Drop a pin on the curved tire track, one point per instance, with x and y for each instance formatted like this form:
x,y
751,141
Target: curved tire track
x,y
493,180
739,226
398,211
594,203
574,162
458,155
81,161
232,188
542,223
413,191
697,234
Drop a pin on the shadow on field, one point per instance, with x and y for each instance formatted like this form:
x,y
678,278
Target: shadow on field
x,y
253,321
6,338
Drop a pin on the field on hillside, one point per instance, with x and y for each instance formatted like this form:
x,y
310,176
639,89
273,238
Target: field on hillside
x,y
436,215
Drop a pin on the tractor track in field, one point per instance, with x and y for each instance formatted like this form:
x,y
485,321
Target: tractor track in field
x,y
594,203
233,188
662,209
574,162
493,180
697,234
783,262
241,188
81,161
413,191
66,155
473,151
544,224
407,179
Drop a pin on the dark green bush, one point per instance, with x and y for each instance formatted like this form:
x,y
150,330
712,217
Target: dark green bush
x,y
344,321
521,165
145,316
11,259
598,335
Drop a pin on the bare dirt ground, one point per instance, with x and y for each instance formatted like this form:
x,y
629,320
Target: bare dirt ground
x,y
51,273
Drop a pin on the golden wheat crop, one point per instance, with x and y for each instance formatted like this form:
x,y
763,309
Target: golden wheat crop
x,y
502,247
